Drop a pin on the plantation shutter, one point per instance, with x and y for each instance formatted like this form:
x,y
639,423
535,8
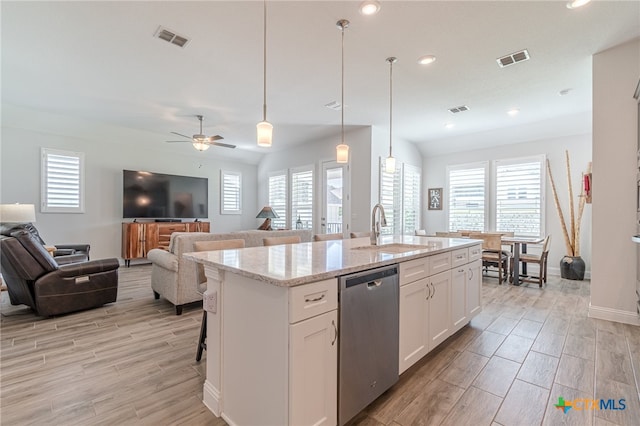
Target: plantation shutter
x,y
411,199
302,199
467,197
519,196
391,199
230,192
62,181
278,199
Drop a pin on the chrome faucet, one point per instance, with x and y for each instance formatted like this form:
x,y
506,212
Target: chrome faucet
x,y
375,225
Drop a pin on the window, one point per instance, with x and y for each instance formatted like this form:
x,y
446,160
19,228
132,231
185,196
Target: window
x,y
230,192
502,196
411,198
400,197
302,198
62,181
467,186
518,197
278,198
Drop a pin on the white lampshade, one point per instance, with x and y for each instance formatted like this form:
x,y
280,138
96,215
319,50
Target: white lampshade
x,y
17,213
265,133
390,164
342,153
200,146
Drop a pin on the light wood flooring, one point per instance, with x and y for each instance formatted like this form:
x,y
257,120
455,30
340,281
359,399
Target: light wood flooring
x,y
133,362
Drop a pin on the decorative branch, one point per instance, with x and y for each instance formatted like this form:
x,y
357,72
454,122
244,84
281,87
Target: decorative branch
x,y
572,215
567,242
583,201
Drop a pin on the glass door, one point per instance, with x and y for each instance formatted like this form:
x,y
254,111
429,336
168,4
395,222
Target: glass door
x,y
335,198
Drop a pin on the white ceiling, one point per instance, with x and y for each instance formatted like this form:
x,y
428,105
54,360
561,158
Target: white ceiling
x,y
100,61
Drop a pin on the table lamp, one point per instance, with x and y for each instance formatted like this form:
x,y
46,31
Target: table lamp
x,y
17,213
267,213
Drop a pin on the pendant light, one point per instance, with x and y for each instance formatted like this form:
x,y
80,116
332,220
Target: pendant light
x,y
342,150
390,162
264,128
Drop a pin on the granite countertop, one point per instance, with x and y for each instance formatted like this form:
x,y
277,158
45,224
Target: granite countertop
x,y
295,264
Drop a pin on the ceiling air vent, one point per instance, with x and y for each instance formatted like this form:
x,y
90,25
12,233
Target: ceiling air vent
x,y
513,58
171,37
459,109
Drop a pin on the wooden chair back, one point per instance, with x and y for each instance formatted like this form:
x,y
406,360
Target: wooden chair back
x,y
327,237
420,232
275,241
211,246
360,234
448,234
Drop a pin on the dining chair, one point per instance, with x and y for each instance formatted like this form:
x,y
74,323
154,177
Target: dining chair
x,y
448,234
202,281
540,259
327,237
466,233
275,241
360,234
492,254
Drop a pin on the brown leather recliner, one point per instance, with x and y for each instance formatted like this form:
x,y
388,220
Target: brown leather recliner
x,y
63,254
34,278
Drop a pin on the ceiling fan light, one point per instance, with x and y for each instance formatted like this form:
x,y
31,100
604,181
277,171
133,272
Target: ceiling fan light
x,y
200,145
576,3
342,153
265,133
390,164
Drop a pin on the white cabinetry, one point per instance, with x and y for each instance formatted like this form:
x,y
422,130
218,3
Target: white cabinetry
x,y
439,294
279,362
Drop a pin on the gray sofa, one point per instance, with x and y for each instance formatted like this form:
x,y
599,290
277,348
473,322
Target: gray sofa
x,y
176,279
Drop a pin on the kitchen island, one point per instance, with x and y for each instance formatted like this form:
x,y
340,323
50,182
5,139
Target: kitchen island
x,y
273,326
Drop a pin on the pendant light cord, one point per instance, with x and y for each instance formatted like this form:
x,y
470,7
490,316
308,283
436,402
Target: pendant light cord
x,y
264,66
342,90
391,61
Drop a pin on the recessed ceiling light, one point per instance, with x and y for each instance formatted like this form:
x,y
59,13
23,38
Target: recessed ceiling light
x,y
513,112
576,4
426,60
369,7
448,125
564,92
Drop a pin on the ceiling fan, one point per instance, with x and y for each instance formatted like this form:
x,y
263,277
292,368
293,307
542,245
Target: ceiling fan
x,y
202,142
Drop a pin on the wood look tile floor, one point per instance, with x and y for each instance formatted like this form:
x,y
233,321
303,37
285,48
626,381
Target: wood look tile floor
x,y
133,362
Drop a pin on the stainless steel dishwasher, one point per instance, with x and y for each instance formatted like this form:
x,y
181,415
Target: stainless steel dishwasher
x,y
368,351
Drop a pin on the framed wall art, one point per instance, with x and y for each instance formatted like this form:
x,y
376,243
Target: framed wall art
x,y
435,198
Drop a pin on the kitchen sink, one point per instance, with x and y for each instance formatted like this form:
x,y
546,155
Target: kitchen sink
x,y
393,248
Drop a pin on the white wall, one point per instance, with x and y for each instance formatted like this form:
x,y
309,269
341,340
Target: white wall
x,y
615,141
108,150
579,147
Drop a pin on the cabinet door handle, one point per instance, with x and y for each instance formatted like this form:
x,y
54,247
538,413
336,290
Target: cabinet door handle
x,y
434,290
335,332
316,299
470,273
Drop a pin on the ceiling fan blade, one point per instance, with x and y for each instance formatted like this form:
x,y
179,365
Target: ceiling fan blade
x,y
224,145
180,134
215,138
178,141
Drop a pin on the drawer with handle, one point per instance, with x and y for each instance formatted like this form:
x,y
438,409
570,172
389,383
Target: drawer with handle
x,y
459,257
313,299
475,252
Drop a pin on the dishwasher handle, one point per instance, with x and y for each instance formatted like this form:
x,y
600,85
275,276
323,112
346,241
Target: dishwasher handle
x,y
370,277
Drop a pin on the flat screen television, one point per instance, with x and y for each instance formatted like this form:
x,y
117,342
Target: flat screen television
x,y
162,196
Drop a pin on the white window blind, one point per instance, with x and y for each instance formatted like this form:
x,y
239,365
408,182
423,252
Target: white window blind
x,y
62,181
467,186
302,198
230,192
278,199
391,199
519,196
411,184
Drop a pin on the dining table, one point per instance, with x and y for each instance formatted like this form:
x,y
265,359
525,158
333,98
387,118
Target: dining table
x,y
517,243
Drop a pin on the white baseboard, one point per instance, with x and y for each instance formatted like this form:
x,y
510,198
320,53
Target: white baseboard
x,y
615,315
211,398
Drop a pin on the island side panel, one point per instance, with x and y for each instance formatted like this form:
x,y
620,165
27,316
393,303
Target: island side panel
x,y
211,395
255,357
